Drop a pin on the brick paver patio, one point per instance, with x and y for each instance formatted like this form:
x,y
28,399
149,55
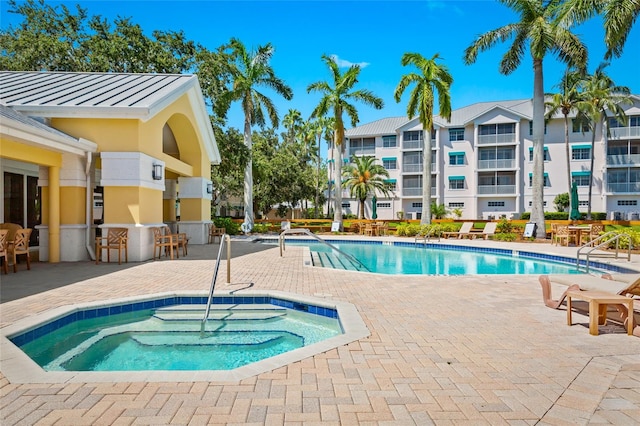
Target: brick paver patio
x,y
442,350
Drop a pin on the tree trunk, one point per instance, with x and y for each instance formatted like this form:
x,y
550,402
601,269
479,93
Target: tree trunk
x,y
248,177
331,170
338,138
426,177
537,204
317,201
593,154
568,154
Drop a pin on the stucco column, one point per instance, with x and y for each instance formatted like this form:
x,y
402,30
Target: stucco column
x,y
195,207
54,214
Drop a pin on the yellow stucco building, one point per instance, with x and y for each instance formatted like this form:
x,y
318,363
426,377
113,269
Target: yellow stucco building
x,y
81,151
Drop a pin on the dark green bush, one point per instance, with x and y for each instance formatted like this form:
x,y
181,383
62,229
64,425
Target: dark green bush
x,y
565,216
229,225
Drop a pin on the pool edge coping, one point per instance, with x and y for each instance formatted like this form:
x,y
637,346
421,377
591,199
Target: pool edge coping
x,y
18,367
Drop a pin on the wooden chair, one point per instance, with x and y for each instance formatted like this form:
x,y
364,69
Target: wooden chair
x,y
368,229
4,251
183,241
593,232
553,230
21,246
561,234
217,233
164,239
116,239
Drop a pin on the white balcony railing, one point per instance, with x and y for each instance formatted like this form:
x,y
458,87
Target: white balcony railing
x,y
412,144
362,151
624,132
623,160
495,139
412,168
412,192
497,189
624,187
506,163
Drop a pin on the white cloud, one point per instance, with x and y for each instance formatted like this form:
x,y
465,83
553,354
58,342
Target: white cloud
x,y
343,63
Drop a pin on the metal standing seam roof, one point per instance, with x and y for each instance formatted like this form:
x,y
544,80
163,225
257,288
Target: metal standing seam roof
x,y
90,94
7,113
384,126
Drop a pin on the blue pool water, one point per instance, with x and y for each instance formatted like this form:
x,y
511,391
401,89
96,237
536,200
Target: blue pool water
x,y
437,259
171,338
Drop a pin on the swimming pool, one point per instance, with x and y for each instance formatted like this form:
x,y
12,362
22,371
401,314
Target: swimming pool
x,y
406,258
245,334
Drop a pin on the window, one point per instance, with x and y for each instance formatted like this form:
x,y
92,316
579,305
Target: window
x,y
454,205
383,205
627,202
546,180
390,163
582,152
581,178
634,121
391,185
456,182
362,146
613,123
499,129
416,205
412,135
346,205
584,203
456,134
389,141
456,158
579,126
495,203
544,203
546,154
531,128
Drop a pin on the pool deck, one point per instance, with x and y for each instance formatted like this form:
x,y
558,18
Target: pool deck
x,y
443,350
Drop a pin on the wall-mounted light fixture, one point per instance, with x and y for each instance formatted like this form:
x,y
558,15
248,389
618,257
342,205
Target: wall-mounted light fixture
x,y
156,172
209,188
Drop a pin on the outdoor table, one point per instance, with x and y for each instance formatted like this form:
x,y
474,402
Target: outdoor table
x,y
598,302
576,233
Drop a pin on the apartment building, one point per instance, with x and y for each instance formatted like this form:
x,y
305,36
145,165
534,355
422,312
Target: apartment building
x,y
482,162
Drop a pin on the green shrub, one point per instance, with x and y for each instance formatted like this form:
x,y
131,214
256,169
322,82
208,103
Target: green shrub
x,y
261,228
504,226
508,236
231,227
565,216
623,242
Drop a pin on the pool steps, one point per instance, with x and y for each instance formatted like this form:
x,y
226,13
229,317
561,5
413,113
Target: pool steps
x,y
330,260
219,312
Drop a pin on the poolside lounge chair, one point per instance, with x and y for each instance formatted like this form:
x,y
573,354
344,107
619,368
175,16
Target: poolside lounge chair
x,y
489,230
465,231
621,284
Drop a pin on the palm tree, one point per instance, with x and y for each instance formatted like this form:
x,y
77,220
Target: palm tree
x,y
292,121
251,69
431,79
317,128
337,97
619,17
363,177
601,97
566,101
539,28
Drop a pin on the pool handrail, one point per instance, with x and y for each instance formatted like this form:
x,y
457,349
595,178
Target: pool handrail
x,y
602,241
306,231
224,240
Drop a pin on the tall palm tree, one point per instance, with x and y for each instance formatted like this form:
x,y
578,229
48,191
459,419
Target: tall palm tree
x,y
249,70
317,128
602,99
619,17
539,28
292,121
566,101
431,79
363,177
337,97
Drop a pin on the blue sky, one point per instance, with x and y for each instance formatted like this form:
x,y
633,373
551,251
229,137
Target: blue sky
x,y
372,33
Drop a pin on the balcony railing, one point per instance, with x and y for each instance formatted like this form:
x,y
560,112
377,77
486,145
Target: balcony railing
x,y
494,139
623,160
496,189
362,151
506,163
624,187
624,132
412,144
412,192
412,168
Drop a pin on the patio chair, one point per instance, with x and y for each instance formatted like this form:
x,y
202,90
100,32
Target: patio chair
x,y
561,234
465,231
4,251
183,242
592,232
489,230
215,232
164,239
116,239
20,246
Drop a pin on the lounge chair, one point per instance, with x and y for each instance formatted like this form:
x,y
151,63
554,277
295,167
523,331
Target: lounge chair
x,y
621,284
465,231
489,230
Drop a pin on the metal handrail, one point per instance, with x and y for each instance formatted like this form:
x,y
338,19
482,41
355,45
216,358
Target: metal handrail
x,y
305,231
224,240
603,240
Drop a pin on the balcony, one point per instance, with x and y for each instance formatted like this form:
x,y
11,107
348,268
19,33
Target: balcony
x,y
624,132
412,168
506,163
503,138
416,192
362,151
496,189
624,187
623,160
412,144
